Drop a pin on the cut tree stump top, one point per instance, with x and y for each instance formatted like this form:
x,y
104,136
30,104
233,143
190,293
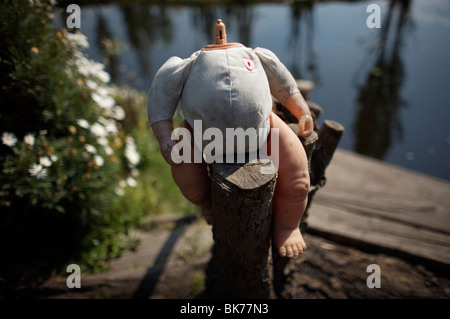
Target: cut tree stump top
x,y
243,177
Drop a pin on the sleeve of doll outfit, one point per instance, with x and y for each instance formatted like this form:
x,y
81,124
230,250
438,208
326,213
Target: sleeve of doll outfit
x,y
282,83
167,87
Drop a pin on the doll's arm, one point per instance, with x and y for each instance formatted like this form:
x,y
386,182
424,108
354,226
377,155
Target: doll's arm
x,y
163,99
297,105
284,88
163,132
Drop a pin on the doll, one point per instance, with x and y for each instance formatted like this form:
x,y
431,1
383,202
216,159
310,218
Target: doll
x,y
228,85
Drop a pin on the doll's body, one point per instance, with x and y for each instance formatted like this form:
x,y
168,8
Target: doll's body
x,y
223,88
231,88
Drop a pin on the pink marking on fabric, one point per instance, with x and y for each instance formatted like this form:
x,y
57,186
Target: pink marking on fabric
x,y
249,64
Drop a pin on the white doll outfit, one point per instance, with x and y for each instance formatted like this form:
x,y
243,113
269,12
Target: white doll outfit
x,y
229,88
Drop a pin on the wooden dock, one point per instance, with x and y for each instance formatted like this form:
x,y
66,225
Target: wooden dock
x,y
384,208
365,203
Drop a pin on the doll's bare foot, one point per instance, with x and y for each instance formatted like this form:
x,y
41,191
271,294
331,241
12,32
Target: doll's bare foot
x,y
289,241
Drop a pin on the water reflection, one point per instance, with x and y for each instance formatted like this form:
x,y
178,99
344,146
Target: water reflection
x,y
238,17
377,120
110,49
147,26
240,20
376,123
301,41
300,33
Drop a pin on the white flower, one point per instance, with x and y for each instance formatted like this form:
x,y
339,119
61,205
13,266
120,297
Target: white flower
x,y
102,75
103,100
98,160
103,141
89,68
54,158
98,130
78,39
119,191
130,151
91,84
29,139
90,149
122,183
83,123
118,113
109,151
104,91
9,139
110,125
45,161
131,182
38,171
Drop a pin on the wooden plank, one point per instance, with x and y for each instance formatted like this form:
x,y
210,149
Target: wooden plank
x,y
368,201
372,230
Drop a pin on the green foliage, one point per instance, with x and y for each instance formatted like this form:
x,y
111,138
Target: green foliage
x,y
72,183
157,190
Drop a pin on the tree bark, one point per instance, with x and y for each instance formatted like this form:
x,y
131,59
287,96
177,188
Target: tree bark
x,y
242,227
329,136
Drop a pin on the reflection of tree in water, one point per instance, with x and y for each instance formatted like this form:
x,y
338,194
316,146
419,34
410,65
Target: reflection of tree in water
x,y
203,19
302,20
110,48
377,120
237,17
147,26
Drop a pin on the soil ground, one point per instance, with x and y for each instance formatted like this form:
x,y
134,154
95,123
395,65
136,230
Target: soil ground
x,y
172,259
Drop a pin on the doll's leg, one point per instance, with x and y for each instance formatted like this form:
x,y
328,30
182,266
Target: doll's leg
x,y
291,191
193,181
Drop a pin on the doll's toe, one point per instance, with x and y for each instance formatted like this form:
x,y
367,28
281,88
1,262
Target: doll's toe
x,y
290,252
295,250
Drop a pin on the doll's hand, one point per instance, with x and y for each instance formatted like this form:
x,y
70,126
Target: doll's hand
x,y
297,105
166,151
305,125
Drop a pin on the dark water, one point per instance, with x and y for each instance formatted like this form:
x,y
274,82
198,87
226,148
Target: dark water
x,y
389,87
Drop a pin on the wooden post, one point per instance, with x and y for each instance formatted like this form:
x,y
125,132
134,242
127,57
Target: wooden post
x,y
242,222
329,136
242,226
